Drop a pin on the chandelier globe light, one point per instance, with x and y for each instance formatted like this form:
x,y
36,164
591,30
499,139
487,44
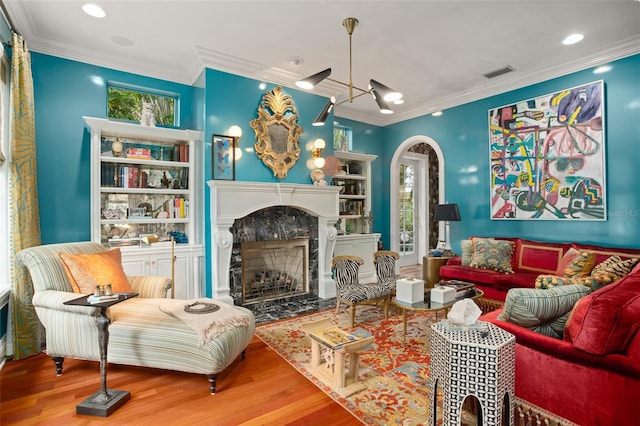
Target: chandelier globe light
x,y
381,94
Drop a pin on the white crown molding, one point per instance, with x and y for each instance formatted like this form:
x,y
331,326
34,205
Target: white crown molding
x,y
622,50
205,58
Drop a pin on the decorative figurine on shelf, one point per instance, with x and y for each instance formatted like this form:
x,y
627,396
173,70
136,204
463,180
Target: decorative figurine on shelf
x,y
165,180
366,221
317,176
147,114
117,147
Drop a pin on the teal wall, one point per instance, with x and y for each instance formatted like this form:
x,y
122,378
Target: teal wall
x,y
66,90
462,133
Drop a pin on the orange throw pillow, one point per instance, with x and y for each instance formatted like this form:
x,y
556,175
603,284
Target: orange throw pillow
x,y
86,271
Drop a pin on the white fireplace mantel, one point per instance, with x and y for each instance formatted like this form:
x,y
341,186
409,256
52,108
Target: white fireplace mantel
x,y
231,200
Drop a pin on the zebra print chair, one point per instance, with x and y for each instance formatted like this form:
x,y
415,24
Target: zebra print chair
x,y
385,264
350,291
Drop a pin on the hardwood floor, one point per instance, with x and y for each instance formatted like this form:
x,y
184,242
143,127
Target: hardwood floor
x,y
262,389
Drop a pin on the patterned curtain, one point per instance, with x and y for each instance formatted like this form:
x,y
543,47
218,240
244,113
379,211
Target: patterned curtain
x,y
23,200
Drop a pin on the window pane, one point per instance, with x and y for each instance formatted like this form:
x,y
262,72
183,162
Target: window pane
x,y
126,104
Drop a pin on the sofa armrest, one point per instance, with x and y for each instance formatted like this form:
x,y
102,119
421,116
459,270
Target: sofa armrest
x,y
552,347
54,299
455,260
150,286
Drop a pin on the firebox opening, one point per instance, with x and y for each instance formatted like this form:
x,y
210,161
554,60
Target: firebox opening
x,y
274,269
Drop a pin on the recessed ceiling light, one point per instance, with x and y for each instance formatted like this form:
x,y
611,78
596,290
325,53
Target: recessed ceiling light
x,y
602,69
94,10
437,114
572,39
398,101
296,61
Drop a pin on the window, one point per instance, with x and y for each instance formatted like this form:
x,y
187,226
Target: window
x,y
125,103
342,138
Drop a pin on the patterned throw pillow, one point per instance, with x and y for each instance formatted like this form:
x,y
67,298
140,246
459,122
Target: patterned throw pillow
x,y
576,264
492,254
614,266
85,271
594,282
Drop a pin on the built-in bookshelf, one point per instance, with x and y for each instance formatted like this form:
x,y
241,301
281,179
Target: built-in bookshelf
x,y
355,193
355,235
145,191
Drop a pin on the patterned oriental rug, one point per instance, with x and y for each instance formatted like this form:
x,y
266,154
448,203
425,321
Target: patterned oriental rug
x,y
395,378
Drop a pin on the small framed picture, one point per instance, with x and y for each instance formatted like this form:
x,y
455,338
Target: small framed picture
x,y
137,212
223,161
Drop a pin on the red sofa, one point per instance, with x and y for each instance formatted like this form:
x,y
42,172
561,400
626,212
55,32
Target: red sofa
x,y
592,377
530,259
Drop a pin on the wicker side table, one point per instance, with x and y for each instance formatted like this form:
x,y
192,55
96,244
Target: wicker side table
x,y
476,362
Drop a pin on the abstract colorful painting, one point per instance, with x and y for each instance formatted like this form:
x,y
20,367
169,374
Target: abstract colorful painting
x,y
547,157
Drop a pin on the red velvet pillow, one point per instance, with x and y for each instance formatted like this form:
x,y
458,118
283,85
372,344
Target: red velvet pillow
x,y
606,320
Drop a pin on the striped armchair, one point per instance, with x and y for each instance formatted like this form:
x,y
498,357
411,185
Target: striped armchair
x,y
140,333
385,263
350,291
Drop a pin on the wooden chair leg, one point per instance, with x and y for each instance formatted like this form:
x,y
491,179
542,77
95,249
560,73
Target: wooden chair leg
x,y
337,306
353,315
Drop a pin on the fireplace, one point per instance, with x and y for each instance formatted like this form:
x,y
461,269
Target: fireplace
x,y
274,270
233,200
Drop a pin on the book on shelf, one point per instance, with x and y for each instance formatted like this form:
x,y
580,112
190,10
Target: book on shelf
x,y
333,337
139,153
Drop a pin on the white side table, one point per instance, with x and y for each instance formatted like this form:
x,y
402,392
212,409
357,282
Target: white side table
x,y
470,362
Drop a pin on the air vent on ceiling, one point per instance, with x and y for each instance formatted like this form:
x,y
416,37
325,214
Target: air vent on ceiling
x,y
499,72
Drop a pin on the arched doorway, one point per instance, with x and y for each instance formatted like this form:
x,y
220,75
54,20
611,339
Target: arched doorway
x,y
417,185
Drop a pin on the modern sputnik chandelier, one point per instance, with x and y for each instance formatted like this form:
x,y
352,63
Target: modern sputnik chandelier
x,y
381,93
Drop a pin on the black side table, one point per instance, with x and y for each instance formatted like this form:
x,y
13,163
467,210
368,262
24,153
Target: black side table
x,y
104,402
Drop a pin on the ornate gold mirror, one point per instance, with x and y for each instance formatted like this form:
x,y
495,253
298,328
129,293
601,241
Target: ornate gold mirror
x,y
277,132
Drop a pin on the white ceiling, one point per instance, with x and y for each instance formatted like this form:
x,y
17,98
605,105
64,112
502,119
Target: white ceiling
x,y
435,52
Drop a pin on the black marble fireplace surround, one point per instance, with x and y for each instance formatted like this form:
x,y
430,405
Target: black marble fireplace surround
x,y
269,224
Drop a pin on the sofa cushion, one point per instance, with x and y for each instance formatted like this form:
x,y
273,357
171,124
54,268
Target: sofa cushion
x,y
538,257
467,273
543,311
517,279
576,263
492,254
614,265
86,271
605,321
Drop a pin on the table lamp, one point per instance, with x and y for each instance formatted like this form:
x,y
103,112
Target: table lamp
x,y
447,213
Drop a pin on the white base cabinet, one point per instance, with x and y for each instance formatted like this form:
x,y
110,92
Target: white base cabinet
x,y
188,275
361,245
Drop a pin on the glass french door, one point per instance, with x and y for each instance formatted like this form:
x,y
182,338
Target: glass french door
x,y
407,209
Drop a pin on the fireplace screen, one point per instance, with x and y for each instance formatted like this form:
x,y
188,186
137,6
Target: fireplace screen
x,y
274,269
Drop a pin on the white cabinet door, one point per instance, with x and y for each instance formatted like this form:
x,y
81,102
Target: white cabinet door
x,y
135,264
361,245
188,268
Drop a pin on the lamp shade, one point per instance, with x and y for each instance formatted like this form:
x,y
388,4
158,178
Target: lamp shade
x,y
382,104
387,93
322,117
309,82
447,213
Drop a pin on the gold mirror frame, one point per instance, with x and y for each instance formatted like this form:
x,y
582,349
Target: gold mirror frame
x,y
277,132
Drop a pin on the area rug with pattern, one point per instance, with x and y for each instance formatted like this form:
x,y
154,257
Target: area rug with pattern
x,y
395,377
